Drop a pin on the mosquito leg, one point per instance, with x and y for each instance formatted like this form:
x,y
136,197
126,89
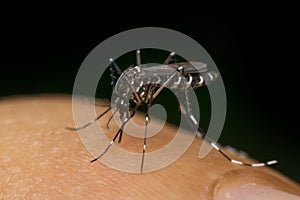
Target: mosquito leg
x,y
111,142
119,133
113,68
166,82
201,134
170,58
240,162
131,116
89,123
138,99
145,136
110,118
190,118
215,146
138,57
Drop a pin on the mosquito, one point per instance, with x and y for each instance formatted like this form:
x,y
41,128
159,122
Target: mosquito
x,y
141,85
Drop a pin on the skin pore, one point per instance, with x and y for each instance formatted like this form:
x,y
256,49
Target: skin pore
x,y
40,159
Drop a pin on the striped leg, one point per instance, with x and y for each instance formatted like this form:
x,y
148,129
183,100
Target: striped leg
x,y
201,133
240,162
172,75
89,123
110,118
118,134
113,68
145,136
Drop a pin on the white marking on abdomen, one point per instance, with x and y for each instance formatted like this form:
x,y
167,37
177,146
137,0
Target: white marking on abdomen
x,y
139,70
201,79
190,80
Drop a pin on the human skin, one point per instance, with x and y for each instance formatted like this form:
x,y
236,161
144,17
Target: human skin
x,y
40,159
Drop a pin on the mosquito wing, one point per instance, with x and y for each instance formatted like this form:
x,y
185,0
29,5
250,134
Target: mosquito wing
x,y
191,67
188,67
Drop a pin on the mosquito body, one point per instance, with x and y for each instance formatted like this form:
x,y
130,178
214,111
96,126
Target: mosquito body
x,y
141,84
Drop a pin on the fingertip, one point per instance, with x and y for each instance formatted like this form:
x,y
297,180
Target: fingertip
x,y
255,184
250,191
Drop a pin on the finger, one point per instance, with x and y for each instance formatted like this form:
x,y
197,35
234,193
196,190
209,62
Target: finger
x,y
40,159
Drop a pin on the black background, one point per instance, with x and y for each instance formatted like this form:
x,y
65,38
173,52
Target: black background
x,y
257,57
